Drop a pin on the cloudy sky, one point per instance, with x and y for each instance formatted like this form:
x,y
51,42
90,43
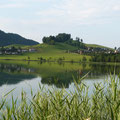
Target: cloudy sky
x,y
96,21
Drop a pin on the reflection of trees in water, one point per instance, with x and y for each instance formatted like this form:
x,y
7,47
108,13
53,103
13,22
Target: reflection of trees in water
x,y
11,68
105,69
13,74
66,78
6,78
63,79
84,66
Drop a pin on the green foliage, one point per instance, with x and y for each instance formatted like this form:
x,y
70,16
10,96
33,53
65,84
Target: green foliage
x,y
64,38
10,38
84,59
102,104
106,58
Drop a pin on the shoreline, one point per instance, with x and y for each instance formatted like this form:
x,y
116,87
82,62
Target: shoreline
x,y
103,63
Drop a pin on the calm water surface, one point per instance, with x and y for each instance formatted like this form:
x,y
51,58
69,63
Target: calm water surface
x,y
27,75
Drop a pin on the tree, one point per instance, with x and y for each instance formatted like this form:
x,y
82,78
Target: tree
x,y
84,59
2,49
81,40
13,49
63,37
28,58
49,40
20,49
77,39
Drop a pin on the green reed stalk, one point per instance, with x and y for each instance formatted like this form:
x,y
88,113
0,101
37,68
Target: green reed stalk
x,y
103,104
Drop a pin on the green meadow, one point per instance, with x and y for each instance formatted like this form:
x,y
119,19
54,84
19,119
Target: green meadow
x,y
49,52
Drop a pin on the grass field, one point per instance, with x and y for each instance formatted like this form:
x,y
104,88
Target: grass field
x,y
49,52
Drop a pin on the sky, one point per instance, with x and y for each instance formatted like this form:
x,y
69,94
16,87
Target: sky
x,y
95,21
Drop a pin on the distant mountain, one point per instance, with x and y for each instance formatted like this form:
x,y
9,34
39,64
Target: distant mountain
x,y
11,38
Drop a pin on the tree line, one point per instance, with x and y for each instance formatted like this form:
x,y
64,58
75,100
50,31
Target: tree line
x,y
106,58
64,38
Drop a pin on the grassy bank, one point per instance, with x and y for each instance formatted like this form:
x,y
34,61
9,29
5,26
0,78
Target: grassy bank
x,y
103,104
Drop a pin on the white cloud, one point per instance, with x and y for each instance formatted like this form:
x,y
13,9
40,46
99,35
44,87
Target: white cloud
x,y
37,22
69,11
51,12
12,5
116,8
80,11
23,1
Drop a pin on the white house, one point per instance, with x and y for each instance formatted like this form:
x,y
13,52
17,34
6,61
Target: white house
x,y
32,50
24,50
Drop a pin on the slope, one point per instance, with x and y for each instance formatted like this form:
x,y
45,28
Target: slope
x,y
11,38
48,52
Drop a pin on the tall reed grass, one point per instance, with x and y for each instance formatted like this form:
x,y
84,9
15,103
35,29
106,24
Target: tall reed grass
x,y
102,104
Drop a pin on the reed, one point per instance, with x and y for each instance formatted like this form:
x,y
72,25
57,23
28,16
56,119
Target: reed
x,y
102,104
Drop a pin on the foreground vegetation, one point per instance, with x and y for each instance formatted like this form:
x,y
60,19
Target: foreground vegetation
x,y
102,104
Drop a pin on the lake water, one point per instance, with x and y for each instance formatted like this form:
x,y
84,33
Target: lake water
x,y
27,75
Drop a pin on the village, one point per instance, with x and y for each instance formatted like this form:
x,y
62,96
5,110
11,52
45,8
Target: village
x,y
97,50
89,50
15,51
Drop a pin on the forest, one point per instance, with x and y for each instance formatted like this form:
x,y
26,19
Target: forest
x,y
11,38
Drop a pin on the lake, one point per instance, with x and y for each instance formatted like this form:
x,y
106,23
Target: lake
x,y
26,75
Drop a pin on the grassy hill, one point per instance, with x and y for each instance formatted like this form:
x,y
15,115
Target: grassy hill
x,y
48,52
53,48
97,46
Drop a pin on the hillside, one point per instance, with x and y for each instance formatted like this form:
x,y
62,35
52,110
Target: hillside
x,y
97,46
11,38
48,52
46,47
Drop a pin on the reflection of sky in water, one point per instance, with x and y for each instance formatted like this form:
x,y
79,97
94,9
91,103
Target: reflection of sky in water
x,y
26,86
24,78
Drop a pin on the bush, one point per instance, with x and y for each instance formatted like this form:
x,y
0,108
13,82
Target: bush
x,y
84,59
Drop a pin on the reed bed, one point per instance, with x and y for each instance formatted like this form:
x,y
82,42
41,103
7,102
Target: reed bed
x,y
102,104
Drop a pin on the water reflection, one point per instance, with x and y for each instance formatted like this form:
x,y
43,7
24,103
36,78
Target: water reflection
x,y
13,74
59,75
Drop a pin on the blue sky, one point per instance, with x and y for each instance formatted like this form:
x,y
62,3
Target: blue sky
x,y
96,21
